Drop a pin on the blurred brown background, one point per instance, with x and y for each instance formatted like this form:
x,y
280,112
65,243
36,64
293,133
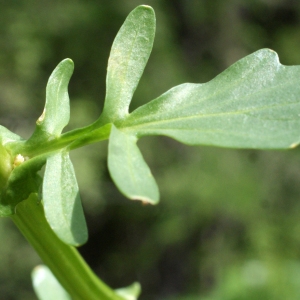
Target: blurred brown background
x,y
228,225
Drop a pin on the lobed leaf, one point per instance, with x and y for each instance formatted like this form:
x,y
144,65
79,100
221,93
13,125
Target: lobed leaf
x,y
62,204
255,103
128,57
46,285
128,169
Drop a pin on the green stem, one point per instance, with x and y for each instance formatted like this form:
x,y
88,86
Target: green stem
x,y
63,260
72,139
81,137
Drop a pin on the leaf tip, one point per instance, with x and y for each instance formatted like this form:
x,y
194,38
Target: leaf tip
x,y
68,64
145,200
146,7
131,292
68,60
38,274
294,145
82,239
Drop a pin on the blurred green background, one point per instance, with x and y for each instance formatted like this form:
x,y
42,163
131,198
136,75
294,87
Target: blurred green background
x,y
228,225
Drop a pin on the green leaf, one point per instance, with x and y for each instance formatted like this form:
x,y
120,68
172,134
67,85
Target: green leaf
x,y
6,136
255,103
22,181
56,113
11,141
6,167
62,204
131,292
129,55
46,285
128,169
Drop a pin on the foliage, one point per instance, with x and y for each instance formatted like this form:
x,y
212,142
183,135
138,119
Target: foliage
x,y
125,131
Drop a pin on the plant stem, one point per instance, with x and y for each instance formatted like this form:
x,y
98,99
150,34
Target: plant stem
x,y
75,138
64,261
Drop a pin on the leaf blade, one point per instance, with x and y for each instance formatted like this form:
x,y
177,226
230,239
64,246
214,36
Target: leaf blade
x,y
56,113
62,204
249,105
128,169
129,55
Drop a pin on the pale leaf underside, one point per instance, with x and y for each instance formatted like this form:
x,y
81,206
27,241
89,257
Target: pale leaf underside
x,y
63,209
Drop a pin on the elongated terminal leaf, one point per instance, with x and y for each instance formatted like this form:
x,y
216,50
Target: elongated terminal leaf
x,y
62,204
255,103
46,285
56,113
128,169
128,58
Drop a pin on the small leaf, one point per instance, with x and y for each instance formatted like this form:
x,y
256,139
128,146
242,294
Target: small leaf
x,y
10,140
46,285
255,103
6,136
22,181
56,113
129,55
128,169
62,204
131,292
